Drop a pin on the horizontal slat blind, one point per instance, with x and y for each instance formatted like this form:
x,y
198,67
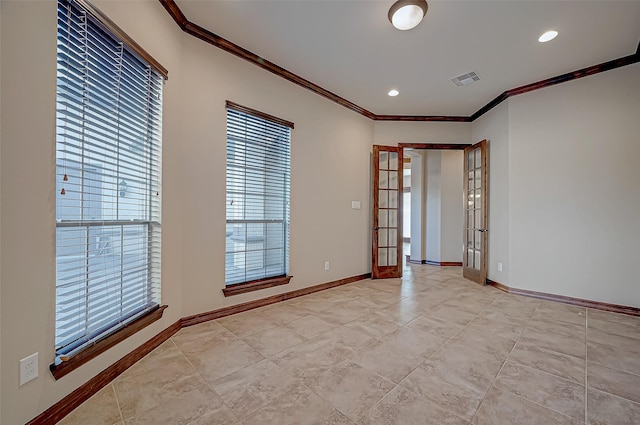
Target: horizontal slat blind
x,y
108,121
258,185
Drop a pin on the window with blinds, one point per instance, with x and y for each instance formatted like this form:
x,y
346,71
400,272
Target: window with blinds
x,y
108,130
258,180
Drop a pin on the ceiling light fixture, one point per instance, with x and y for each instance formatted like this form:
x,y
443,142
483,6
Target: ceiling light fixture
x,y
393,93
407,14
548,36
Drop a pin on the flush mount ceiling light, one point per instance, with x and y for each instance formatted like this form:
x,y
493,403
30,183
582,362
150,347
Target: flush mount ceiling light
x,y
393,92
548,36
407,14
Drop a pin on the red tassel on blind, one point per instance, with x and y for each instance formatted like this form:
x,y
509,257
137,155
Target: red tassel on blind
x,y
62,192
65,178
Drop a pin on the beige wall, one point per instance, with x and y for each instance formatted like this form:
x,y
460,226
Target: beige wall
x,y
391,133
564,187
494,127
574,192
329,164
330,167
452,206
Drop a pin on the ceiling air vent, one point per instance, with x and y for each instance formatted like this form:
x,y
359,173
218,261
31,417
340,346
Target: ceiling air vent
x,y
465,79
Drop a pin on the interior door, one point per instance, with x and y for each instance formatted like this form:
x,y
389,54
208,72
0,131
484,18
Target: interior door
x,y
387,212
476,173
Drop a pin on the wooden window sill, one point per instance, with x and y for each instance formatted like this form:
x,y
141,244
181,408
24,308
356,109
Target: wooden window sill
x,y
60,368
255,285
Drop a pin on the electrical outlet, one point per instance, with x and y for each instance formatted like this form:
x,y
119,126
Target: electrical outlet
x,y
28,368
499,267
355,205
327,266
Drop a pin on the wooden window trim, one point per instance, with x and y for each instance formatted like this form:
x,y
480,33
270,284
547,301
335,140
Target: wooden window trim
x,y
259,114
255,285
126,39
60,368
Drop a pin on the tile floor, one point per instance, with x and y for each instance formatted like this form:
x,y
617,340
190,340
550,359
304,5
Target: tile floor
x,y
431,348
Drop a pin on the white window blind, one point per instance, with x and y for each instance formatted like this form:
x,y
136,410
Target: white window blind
x,y
258,186
108,128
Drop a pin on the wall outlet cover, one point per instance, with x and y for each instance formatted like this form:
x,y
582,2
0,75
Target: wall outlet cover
x,y
28,368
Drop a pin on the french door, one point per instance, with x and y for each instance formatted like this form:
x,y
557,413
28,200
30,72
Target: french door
x,y
476,173
387,212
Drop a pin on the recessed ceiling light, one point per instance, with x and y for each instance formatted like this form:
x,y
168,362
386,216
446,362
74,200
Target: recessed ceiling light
x,y
393,93
548,36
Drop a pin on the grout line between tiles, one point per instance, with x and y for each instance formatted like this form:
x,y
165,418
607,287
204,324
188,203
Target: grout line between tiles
x,y
586,367
115,394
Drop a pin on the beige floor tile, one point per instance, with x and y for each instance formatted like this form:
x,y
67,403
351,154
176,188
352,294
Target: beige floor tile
x,y
298,406
446,388
376,326
485,340
311,325
529,353
313,304
274,340
414,343
452,313
551,339
434,326
101,409
622,384
614,351
247,323
477,367
283,312
387,360
424,349
484,324
187,408
317,353
200,334
607,409
349,387
343,313
501,407
217,360
542,388
250,388
616,328
613,317
160,376
402,407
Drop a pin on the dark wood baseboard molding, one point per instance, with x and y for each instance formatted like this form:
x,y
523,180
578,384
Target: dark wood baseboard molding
x,y
65,406
443,263
595,305
410,261
498,285
435,263
239,308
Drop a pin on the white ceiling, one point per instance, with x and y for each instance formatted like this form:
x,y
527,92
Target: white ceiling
x,y
349,47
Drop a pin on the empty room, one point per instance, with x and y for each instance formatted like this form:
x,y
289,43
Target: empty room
x,y
319,212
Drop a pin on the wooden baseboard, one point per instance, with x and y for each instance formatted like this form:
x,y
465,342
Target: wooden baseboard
x,y
435,263
65,406
595,305
238,308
